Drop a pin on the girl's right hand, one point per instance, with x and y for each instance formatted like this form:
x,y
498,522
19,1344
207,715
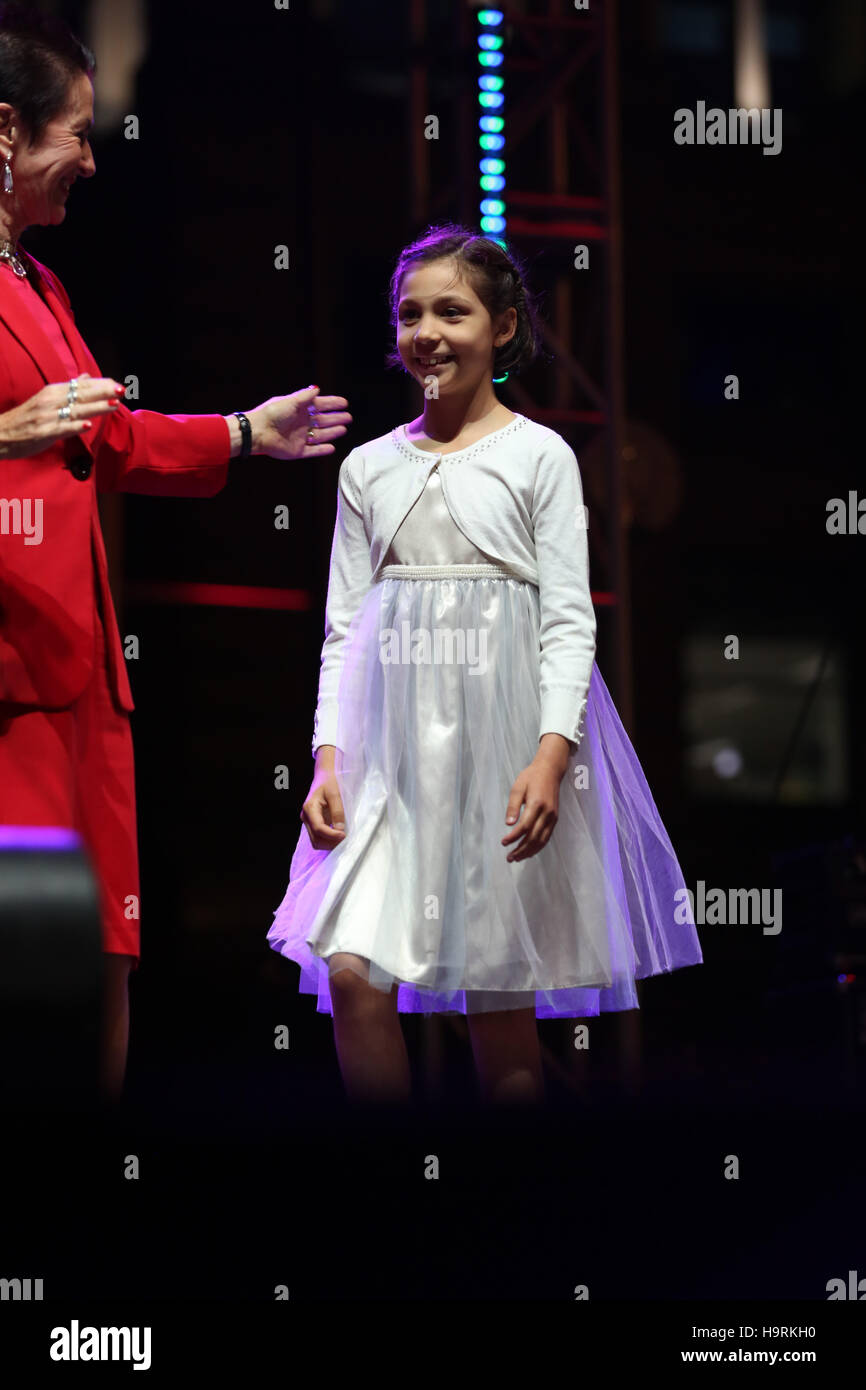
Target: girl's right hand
x,y
34,426
322,812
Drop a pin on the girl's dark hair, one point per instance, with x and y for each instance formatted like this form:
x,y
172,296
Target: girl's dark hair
x,y
496,276
39,57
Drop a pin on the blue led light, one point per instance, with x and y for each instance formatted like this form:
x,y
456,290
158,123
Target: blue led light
x,y
492,140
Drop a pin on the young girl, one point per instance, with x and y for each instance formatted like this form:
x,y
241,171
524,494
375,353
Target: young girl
x,y
479,836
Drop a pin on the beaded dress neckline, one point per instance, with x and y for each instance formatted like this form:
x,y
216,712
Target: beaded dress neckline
x,y
405,445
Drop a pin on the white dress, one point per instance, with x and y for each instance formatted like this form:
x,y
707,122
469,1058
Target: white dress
x,y
428,536
439,712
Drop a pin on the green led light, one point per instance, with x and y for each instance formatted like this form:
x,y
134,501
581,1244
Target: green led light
x,y
494,166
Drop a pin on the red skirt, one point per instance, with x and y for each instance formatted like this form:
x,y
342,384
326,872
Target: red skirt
x,y
74,768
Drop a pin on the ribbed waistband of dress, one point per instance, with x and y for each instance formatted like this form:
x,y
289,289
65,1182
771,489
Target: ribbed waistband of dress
x,y
446,572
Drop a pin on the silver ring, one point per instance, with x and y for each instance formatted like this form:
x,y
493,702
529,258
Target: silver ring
x,y
72,392
311,434
64,411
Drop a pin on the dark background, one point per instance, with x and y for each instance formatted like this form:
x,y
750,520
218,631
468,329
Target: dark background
x,y
261,127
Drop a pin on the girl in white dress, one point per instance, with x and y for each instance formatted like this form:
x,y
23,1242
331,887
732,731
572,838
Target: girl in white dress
x,y
479,836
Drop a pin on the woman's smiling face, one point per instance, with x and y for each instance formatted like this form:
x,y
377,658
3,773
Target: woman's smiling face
x,y
443,328
44,174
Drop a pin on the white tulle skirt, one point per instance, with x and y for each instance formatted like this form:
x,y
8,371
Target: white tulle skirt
x,y
439,712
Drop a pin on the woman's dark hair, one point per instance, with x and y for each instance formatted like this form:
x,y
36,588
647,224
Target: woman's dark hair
x,y
496,276
39,57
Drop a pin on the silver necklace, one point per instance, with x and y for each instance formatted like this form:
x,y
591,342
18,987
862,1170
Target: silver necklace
x,y
9,252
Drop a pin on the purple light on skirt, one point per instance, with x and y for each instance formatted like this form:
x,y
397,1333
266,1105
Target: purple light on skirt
x,y
38,837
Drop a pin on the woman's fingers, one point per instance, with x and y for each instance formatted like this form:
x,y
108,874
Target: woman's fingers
x,y
102,388
36,424
326,432
320,404
94,397
326,418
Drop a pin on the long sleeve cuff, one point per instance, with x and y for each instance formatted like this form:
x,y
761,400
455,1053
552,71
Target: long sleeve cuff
x,y
563,712
324,726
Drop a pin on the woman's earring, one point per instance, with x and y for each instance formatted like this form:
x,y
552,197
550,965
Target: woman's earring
x,y
7,176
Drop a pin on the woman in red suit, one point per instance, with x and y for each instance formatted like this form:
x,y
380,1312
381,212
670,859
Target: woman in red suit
x,y
65,433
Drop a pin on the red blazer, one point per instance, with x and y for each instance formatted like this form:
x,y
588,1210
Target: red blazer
x,y
48,590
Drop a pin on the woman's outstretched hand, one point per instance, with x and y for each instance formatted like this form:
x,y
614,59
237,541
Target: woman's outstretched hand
x,y
322,812
536,788
281,426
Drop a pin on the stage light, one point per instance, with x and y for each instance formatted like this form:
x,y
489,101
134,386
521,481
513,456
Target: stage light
x,y
491,139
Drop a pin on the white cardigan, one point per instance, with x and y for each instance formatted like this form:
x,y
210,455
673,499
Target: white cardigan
x,y
516,494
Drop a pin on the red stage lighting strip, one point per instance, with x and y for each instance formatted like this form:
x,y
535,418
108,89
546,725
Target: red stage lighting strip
x,y
220,595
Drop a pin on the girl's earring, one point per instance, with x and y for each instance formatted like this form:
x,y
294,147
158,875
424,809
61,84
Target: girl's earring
x,y
7,176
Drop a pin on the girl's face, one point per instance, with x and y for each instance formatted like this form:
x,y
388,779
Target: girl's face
x,y
444,330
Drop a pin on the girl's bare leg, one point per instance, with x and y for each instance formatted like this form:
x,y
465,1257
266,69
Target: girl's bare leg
x,y
507,1056
114,1039
370,1044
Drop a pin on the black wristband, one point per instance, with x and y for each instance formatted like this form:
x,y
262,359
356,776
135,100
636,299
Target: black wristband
x,y
246,434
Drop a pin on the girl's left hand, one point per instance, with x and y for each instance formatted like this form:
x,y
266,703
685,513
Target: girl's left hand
x,y
536,789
